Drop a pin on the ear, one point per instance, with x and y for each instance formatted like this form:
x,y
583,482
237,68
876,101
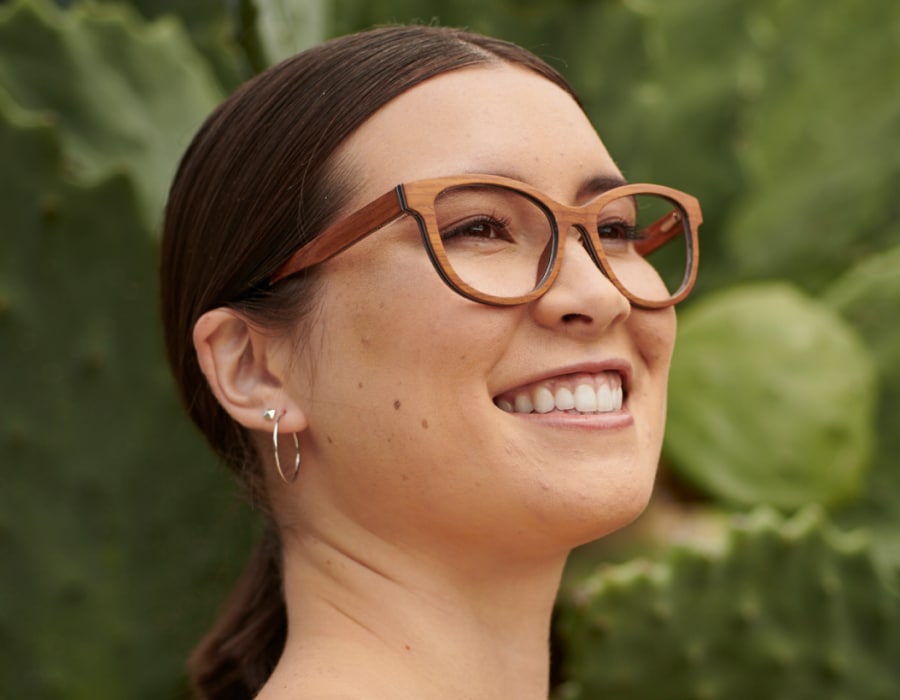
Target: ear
x,y
244,371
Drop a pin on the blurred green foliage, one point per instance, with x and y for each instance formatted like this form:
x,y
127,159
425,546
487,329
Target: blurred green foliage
x,y
779,609
788,440
120,536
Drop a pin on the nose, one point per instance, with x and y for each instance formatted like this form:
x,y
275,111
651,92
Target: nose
x,y
582,299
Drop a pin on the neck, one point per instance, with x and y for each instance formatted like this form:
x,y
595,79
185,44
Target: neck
x,y
397,624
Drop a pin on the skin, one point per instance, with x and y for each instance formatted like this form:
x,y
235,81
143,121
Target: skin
x,y
426,535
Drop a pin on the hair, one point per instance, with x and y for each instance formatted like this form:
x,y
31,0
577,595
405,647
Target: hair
x,y
258,181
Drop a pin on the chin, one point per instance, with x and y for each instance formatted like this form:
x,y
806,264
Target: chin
x,y
602,513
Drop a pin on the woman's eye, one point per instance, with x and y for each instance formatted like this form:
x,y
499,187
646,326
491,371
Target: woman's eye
x,y
618,230
484,228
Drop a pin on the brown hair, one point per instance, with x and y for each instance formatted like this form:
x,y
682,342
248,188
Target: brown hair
x,y
257,182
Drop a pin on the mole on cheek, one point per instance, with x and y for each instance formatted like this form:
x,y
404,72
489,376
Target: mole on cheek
x,y
396,404
425,423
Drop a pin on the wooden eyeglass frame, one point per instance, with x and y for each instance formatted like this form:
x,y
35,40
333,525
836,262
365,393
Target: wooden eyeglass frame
x,y
417,200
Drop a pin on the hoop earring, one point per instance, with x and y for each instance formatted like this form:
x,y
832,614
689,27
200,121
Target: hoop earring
x,y
269,414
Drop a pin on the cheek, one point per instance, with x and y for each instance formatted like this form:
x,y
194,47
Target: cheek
x,y
653,333
403,348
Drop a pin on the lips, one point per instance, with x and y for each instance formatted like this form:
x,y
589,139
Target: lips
x,y
582,392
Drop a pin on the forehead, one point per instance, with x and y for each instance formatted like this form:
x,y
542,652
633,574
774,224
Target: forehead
x,y
489,119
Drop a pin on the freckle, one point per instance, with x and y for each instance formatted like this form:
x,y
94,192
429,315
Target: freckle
x,y
404,477
407,647
359,385
330,441
425,424
396,404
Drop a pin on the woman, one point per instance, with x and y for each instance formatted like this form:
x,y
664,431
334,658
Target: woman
x,y
432,393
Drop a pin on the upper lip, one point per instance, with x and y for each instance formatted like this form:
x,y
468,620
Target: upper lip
x,y
620,365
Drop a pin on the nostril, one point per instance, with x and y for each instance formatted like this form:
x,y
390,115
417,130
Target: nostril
x,y
577,318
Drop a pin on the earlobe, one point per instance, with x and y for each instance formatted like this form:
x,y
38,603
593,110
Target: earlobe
x,y
238,365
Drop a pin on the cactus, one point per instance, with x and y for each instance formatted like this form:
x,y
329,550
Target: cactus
x,y
123,93
771,400
281,28
101,595
786,609
777,118
98,460
868,295
212,28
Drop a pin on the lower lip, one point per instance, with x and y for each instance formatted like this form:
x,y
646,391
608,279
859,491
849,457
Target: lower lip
x,y
614,420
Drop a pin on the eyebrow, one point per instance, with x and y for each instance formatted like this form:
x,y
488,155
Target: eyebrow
x,y
589,189
598,185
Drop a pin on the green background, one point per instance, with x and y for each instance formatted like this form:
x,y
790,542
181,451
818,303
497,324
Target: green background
x,y
767,565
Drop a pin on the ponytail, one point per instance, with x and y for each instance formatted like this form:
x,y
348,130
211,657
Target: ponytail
x,y
237,656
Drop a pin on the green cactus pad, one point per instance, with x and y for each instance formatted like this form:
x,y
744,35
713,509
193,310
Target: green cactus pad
x,y
868,295
771,399
122,91
284,27
102,594
786,610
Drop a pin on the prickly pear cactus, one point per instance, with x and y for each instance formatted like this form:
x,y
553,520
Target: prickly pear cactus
x,y
98,461
784,610
113,517
868,295
771,399
124,93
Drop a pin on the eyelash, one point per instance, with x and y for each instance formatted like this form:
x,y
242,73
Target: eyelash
x,y
631,232
461,230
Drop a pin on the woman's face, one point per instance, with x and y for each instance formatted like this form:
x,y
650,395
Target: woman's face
x,y
411,391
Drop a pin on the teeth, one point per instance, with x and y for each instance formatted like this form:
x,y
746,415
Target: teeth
x,y
523,404
564,399
604,399
543,400
583,397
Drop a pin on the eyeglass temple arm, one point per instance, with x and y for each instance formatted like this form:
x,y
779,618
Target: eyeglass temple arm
x,y
342,234
660,232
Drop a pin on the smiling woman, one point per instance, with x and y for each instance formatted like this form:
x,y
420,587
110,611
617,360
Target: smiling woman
x,y
408,254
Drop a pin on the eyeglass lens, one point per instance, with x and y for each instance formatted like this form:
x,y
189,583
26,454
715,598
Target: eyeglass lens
x,y
499,240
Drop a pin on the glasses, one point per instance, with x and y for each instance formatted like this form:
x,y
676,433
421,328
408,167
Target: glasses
x,y
497,241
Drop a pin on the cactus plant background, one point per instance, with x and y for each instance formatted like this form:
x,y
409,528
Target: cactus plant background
x,y
780,609
811,443
119,536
